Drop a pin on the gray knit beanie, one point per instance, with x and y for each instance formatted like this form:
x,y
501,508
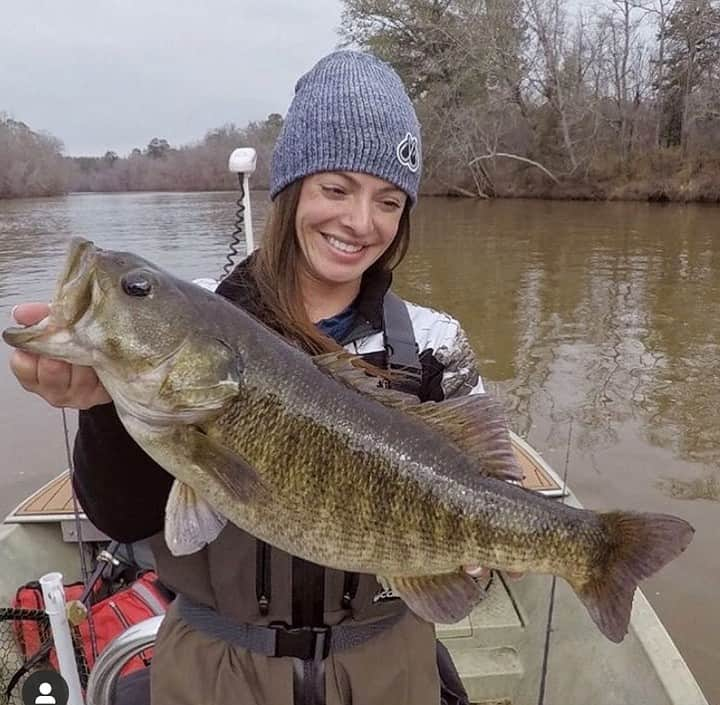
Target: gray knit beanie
x,y
350,113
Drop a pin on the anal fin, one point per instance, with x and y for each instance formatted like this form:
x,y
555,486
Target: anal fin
x,y
445,598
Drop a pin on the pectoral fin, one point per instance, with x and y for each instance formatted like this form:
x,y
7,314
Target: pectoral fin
x,y
219,467
217,473
445,598
190,522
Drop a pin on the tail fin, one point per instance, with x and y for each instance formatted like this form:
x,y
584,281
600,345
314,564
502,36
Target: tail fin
x,y
638,545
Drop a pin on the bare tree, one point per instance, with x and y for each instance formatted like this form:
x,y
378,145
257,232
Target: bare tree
x,y
31,163
692,36
660,11
547,20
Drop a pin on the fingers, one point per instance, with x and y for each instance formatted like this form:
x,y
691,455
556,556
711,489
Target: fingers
x,y
98,396
86,390
60,384
54,379
50,379
25,367
29,313
72,386
477,571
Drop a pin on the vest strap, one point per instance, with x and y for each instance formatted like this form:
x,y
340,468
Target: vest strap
x,y
263,586
351,582
400,345
279,638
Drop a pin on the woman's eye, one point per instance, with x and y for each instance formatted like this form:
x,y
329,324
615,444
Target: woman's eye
x,y
391,204
136,285
333,190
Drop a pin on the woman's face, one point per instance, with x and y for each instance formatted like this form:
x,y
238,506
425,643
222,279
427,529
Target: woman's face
x,y
344,222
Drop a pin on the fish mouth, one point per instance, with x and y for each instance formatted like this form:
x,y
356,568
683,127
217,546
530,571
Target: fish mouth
x,y
70,302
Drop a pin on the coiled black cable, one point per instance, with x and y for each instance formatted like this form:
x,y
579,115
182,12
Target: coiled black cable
x,y
237,236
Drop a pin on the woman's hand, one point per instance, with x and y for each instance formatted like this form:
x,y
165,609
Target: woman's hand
x,y
59,383
478,571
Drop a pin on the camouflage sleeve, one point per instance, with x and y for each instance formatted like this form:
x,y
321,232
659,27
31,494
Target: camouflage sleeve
x,y
449,362
460,374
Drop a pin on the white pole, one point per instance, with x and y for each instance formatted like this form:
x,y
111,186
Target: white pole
x,y
54,596
243,161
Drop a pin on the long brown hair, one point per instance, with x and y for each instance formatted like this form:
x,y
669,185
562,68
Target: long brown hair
x,y
276,265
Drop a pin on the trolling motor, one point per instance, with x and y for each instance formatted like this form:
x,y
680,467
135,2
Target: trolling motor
x,y
242,161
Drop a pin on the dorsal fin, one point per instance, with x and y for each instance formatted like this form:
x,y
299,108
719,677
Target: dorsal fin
x,y
477,424
355,373
474,422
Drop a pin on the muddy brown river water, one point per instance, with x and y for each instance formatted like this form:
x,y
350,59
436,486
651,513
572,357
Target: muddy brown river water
x,y
598,325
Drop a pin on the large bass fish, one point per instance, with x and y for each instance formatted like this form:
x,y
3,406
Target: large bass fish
x,y
312,456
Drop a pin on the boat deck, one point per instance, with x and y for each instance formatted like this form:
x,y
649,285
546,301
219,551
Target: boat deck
x,y
51,503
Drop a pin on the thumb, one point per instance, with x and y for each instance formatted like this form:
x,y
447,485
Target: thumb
x,y
29,313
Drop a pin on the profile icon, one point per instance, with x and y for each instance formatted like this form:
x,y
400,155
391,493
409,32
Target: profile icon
x,y
45,688
45,697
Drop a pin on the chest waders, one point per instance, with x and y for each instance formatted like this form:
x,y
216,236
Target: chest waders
x,y
308,640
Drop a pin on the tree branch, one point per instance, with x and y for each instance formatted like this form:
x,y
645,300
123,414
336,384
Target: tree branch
x,y
518,158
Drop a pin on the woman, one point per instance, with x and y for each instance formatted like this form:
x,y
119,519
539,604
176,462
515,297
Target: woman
x,y
345,175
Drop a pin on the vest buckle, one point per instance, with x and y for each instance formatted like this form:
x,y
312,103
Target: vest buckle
x,y
306,643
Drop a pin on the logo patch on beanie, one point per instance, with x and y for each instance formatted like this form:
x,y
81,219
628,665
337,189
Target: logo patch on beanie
x,y
408,152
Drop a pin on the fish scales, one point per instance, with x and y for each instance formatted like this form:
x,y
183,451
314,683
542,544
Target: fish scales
x,y
366,487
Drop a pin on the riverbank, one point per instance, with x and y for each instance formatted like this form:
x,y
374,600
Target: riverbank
x,y
659,178
632,192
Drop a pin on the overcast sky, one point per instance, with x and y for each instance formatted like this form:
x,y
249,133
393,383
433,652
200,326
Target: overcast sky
x,y
113,74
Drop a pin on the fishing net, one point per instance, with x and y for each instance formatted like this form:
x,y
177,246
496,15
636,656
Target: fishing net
x,y
16,664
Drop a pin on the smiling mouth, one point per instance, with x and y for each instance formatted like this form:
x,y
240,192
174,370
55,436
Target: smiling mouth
x,y
341,246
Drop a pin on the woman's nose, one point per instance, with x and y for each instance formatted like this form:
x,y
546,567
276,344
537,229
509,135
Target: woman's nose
x,y
359,217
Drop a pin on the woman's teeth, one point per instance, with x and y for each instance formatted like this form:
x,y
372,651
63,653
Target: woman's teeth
x,y
343,246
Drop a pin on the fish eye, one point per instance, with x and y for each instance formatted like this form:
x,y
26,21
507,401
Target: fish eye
x,y
136,284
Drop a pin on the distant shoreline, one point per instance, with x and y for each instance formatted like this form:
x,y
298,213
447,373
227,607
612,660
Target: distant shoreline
x,y
627,195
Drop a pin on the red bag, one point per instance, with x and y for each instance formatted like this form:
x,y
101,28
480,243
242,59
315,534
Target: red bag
x,y
110,617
